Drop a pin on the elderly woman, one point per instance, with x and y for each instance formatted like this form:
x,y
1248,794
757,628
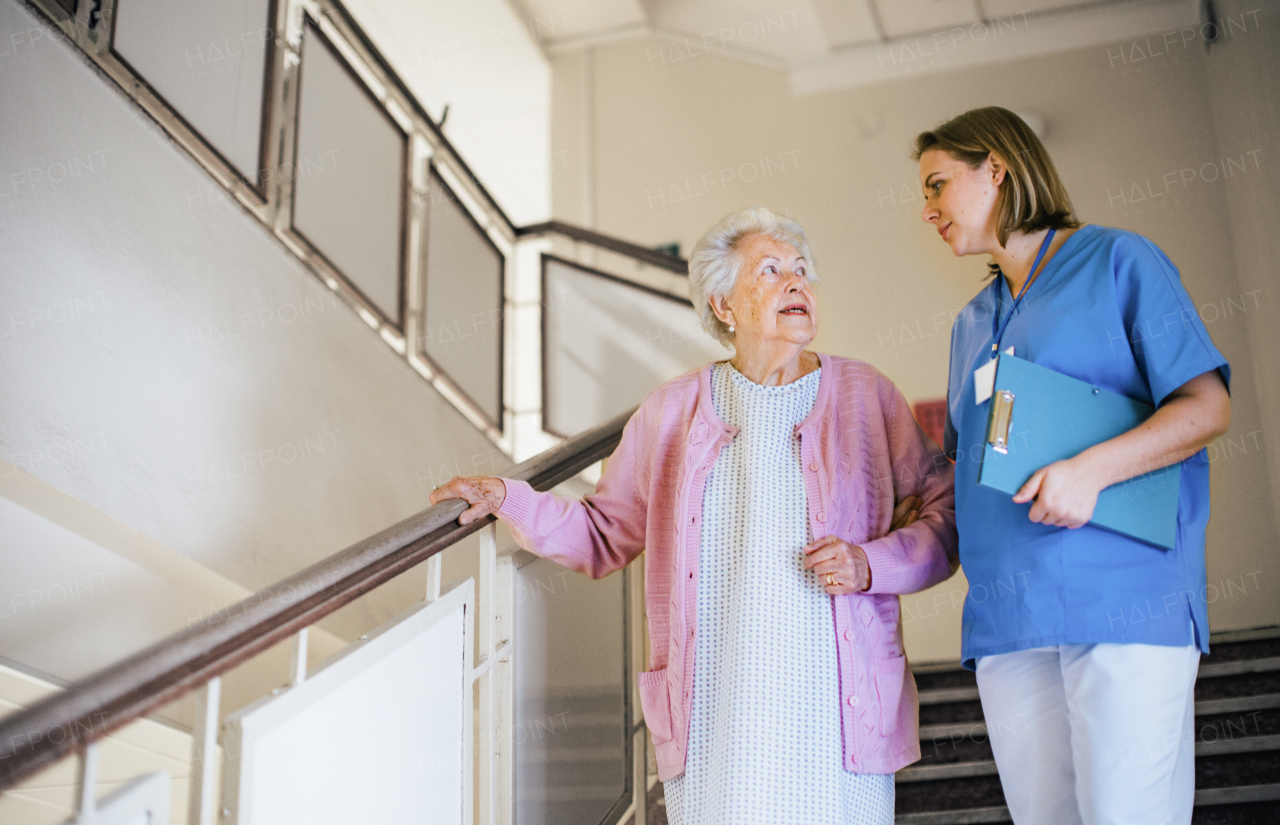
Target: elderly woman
x,y
764,490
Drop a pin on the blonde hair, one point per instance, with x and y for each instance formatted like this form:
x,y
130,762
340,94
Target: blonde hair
x,y
1032,196
714,264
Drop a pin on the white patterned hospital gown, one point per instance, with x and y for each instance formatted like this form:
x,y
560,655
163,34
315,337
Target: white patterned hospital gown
x,y
764,734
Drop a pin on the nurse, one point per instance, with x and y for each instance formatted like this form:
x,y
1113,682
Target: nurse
x,y
1085,642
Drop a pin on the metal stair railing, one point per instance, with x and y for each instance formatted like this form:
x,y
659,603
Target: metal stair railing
x,y
581,234
88,710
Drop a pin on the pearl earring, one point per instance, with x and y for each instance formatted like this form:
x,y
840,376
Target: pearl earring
x,y
731,327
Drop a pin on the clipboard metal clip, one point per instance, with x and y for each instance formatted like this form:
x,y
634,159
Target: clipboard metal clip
x,y
1001,418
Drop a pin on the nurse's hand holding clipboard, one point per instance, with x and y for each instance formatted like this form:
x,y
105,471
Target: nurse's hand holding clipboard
x,y
1064,493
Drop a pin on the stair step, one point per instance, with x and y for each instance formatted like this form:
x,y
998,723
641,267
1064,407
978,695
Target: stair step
x,y
1243,744
572,754
965,816
952,696
945,696
1246,748
953,770
578,793
1209,669
948,730
1239,704
1000,813
962,770
954,751
1217,669
1238,794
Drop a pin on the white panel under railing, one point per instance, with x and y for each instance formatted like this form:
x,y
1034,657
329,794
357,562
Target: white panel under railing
x,y
144,800
379,734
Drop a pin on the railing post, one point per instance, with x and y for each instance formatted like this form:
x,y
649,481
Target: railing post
x,y
285,115
637,631
640,774
433,578
86,783
415,235
204,752
502,675
298,671
485,716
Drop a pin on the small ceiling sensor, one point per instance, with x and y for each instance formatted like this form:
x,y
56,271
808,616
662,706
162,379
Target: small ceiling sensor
x,y
1035,121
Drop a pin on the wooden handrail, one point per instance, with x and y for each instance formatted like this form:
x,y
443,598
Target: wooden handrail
x,y
38,736
650,256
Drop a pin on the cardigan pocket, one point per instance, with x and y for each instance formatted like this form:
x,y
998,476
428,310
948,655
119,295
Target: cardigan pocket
x,y
655,702
890,676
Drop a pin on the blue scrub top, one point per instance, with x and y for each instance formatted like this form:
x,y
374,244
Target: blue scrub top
x,y
1110,309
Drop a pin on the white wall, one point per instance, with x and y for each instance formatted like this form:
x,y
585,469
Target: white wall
x,y
80,590
480,58
678,145
1244,84
59,586
166,361
144,746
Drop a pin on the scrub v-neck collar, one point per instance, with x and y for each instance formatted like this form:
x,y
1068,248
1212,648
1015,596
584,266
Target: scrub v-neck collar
x,y
1049,270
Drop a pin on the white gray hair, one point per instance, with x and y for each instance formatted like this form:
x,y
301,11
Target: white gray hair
x,y
715,264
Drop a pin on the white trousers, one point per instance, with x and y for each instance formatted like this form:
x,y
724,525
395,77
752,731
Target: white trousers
x,y
1098,734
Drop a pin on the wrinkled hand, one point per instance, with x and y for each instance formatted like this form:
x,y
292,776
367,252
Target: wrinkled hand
x,y
484,494
1065,493
847,562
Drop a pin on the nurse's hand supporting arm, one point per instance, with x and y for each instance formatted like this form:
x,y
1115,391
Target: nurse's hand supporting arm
x,y
1193,415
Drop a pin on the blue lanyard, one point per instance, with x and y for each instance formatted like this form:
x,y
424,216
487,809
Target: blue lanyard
x,y
998,328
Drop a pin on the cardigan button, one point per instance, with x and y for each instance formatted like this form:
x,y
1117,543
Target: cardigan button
x,y
848,635
822,516
852,700
813,466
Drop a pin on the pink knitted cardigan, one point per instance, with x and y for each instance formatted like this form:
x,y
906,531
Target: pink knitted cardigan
x,y
861,451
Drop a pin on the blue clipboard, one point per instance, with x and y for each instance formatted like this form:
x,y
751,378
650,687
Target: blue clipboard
x,y
1039,416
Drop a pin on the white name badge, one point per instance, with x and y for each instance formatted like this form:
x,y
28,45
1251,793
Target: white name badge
x,y
984,379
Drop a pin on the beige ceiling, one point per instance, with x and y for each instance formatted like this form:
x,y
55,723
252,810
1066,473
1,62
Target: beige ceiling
x,y
826,43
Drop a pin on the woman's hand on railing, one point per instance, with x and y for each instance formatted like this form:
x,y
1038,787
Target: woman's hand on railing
x,y
484,494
